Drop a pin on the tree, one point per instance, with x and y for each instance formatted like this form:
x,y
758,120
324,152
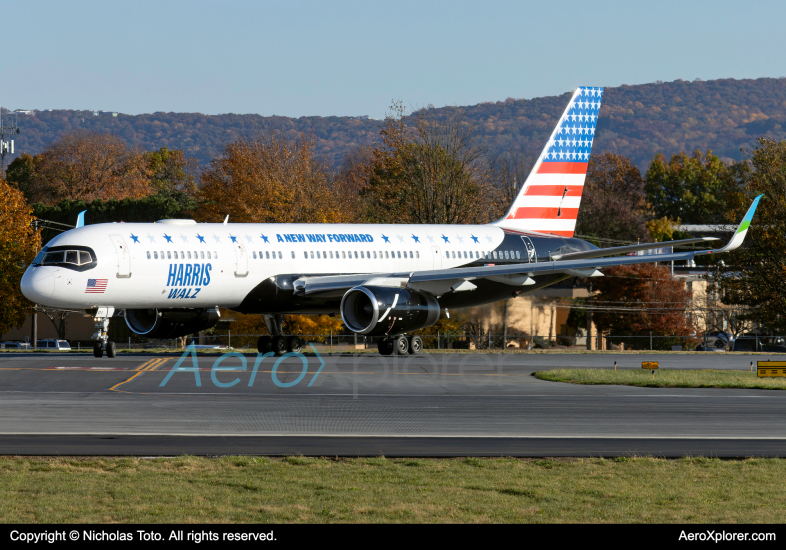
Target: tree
x,y
612,203
691,189
86,165
509,172
272,178
637,299
18,246
171,172
429,170
145,210
755,275
20,173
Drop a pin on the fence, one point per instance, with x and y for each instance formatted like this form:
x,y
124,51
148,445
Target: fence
x,y
447,341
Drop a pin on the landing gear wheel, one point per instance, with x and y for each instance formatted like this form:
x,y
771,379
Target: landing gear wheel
x,y
111,349
294,345
415,345
279,345
98,351
385,346
263,344
401,345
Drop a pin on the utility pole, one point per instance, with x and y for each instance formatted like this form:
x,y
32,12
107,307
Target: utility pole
x,y
589,318
505,325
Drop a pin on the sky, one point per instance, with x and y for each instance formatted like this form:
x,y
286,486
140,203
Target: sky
x,y
346,58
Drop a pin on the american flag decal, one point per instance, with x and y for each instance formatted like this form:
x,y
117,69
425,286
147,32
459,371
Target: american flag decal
x,y
96,286
550,197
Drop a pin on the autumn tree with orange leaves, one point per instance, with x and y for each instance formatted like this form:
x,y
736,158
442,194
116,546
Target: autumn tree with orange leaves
x,y
637,299
272,178
85,165
18,246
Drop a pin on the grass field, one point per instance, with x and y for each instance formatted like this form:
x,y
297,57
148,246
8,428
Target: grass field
x,y
298,489
664,378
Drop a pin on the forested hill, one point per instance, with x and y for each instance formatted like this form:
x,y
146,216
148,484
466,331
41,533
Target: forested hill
x,y
635,121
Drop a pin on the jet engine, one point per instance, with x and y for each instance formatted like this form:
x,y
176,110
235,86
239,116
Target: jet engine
x,y
380,311
170,323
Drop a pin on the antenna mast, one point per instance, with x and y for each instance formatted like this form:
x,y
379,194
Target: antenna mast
x,y
8,129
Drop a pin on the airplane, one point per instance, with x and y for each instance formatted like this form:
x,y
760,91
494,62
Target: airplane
x,y
169,278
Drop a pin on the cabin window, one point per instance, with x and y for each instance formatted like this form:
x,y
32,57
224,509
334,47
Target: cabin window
x,y
375,254
208,255
189,254
494,253
356,255
318,255
255,254
293,254
331,254
447,254
148,254
155,255
417,254
162,254
305,255
411,255
361,254
518,254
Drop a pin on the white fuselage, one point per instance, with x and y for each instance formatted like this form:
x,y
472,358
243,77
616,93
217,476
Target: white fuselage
x,y
198,265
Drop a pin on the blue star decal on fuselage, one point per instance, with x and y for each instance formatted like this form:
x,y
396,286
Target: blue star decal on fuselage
x,y
234,239
446,239
417,240
134,238
168,238
474,238
387,239
264,238
201,238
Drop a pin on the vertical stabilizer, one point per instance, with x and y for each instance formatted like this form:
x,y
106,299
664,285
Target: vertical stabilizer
x,y
549,200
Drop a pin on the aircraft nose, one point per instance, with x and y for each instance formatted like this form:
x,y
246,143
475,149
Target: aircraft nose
x,y
38,284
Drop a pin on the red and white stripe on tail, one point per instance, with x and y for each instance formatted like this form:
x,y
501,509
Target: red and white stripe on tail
x,y
549,199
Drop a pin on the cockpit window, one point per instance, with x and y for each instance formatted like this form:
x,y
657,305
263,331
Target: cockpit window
x,y
74,257
40,256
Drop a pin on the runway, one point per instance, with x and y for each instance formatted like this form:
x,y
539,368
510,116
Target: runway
x,y
364,404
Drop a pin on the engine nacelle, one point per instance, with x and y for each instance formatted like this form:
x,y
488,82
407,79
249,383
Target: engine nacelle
x,y
379,311
170,323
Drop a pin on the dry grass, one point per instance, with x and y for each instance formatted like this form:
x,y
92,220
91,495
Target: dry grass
x,y
665,378
299,489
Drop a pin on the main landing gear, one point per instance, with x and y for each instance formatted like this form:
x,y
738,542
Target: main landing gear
x,y
401,345
278,343
101,318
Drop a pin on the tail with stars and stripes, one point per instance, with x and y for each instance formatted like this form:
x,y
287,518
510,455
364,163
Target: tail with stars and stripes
x,y
549,199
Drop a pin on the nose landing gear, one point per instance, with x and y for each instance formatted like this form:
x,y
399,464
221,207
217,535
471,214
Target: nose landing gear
x,y
101,318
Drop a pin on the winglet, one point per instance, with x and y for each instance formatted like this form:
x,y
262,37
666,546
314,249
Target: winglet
x,y
80,219
742,230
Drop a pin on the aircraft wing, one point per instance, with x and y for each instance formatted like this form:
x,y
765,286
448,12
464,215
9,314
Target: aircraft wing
x,y
613,251
440,281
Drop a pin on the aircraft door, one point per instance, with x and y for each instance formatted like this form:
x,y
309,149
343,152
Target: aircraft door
x,y
436,257
530,249
241,258
123,256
